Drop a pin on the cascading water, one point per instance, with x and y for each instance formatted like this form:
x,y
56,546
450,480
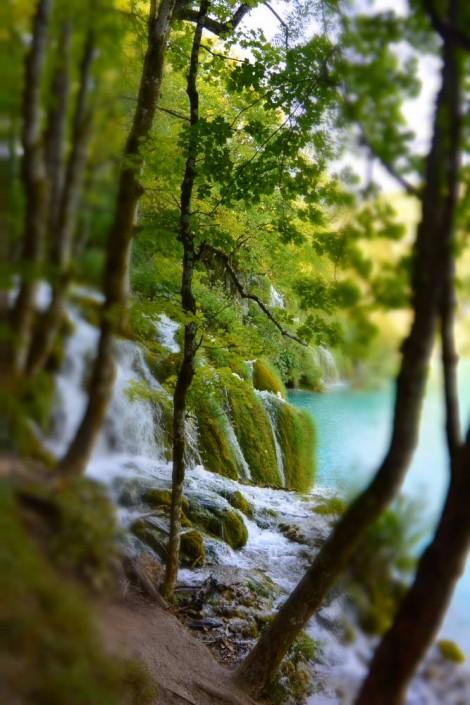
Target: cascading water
x,y
270,402
132,446
276,299
326,362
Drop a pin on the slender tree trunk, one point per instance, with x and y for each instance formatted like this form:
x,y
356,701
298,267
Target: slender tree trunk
x,y
425,604
423,608
65,219
186,371
115,285
55,139
432,252
35,187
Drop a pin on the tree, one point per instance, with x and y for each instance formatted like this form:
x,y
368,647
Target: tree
x,y
190,345
35,187
431,258
115,284
442,563
64,203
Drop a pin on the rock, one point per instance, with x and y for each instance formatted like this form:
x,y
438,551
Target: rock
x,y
451,651
292,533
239,501
192,548
220,521
153,531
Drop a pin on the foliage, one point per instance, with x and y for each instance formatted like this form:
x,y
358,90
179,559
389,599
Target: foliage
x,y
380,570
50,651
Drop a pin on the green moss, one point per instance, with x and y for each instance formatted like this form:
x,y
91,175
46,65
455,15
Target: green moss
x,y
331,506
451,651
84,537
216,451
267,379
156,497
49,651
298,443
192,548
153,532
293,681
226,524
239,501
253,430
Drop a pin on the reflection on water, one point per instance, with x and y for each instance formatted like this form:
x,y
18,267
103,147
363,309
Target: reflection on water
x,y
353,432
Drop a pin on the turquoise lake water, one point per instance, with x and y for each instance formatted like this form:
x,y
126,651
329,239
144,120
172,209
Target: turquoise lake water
x,y
353,431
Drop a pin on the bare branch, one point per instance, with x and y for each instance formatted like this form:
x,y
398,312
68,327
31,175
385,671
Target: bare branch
x,y
223,56
215,26
244,294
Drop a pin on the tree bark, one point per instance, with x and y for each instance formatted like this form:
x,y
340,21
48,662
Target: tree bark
x,y
115,285
55,138
35,188
433,250
186,371
64,221
423,608
425,604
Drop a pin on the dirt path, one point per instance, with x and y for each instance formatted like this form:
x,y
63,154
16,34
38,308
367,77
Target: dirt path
x,y
182,666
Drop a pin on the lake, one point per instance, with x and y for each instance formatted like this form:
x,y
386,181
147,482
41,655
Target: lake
x,y
353,431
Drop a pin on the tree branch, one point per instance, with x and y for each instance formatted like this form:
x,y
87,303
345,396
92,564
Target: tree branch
x,y
388,166
446,29
215,26
244,294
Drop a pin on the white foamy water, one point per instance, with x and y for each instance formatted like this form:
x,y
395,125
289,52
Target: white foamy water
x,y
132,446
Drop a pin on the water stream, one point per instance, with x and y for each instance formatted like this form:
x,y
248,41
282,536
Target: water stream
x,y
353,432
132,446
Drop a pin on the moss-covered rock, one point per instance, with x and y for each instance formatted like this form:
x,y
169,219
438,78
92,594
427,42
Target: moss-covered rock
x,y
214,443
451,651
153,532
297,439
156,497
220,521
331,506
50,653
267,379
192,548
253,430
239,501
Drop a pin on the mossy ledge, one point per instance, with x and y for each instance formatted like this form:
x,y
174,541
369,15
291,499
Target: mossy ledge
x,y
297,438
267,379
51,654
253,430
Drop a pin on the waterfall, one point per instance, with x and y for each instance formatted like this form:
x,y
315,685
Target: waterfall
x,y
243,466
133,425
270,401
276,299
166,332
327,364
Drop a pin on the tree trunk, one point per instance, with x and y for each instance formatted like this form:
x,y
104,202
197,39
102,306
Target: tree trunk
x,y
425,604
66,218
35,188
433,250
186,371
55,138
119,239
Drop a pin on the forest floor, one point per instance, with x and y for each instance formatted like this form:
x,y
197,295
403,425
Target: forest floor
x,y
182,667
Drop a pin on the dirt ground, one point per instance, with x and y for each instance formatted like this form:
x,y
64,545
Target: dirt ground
x,y
182,666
